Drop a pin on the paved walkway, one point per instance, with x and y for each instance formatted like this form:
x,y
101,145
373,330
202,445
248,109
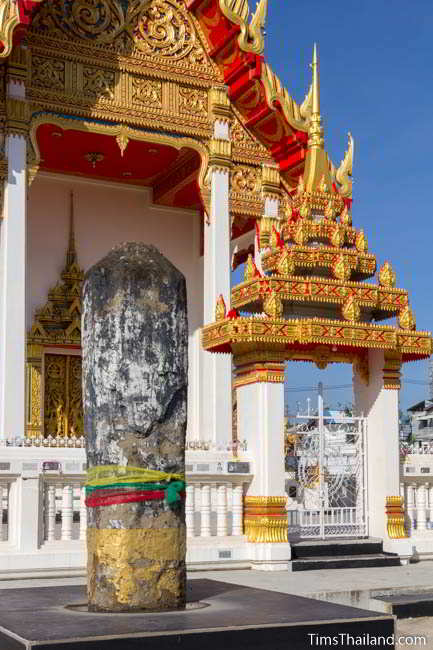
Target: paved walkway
x,y
310,583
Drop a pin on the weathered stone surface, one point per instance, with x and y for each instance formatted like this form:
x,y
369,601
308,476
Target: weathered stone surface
x,y
134,339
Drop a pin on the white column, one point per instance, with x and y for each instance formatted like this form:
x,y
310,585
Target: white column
x,y
50,512
217,369
83,514
237,510
67,512
421,508
189,510
261,424
409,505
205,511
13,235
25,514
431,504
222,511
380,406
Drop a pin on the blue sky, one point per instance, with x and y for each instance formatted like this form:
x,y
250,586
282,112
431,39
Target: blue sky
x,y
376,81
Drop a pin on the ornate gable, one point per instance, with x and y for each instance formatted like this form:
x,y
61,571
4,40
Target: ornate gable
x,y
158,36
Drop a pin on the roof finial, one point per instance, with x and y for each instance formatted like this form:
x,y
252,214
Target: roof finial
x,y
316,130
71,254
260,15
316,82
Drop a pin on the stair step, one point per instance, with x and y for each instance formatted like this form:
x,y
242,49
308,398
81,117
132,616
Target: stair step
x,y
301,550
344,562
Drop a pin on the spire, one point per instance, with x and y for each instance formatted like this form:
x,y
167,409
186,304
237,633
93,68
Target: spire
x,y
317,177
71,254
316,82
259,17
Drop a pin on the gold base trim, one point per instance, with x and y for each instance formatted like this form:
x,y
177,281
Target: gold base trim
x,y
265,520
395,513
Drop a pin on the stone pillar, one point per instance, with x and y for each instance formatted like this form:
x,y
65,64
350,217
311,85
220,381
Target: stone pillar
x,y
135,362
376,397
13,264
260,398
217,370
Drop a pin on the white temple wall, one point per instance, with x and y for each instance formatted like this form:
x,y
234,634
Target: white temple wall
x,y
107,214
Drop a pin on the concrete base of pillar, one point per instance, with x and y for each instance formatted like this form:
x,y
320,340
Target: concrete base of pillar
x,y
269,557
402,547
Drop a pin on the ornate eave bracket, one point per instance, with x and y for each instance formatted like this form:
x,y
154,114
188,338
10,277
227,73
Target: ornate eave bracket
x,y
13,13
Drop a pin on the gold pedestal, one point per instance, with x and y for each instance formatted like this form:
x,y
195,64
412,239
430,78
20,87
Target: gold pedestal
x,y
265,519
395,513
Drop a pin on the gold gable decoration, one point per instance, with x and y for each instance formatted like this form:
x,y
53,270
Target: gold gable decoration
x,y
57,324
159,30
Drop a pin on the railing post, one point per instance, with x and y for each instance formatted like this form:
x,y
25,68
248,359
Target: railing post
x,y
205,510
190,510
421,507
237,510
50,512
25,508
222,511
67,512
83,513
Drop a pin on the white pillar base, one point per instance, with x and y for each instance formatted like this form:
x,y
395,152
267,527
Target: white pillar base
x,y
269,557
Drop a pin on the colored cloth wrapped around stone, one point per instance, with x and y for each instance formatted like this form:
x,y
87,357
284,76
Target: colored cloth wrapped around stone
x,y
111,485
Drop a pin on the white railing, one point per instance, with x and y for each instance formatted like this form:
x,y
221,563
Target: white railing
x,y
340,522
418,447
214,509
418,499
43,518
61,442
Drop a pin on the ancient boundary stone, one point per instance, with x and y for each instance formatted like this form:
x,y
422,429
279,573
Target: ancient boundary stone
x,y
135,358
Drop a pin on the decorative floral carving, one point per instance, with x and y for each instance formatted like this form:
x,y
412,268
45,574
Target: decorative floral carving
x,y
245,179
147,91
98,82
193,101
286,264
407,319
341,268
161,28
351,310
48,73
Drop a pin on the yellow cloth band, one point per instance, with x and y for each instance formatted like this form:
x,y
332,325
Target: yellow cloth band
x,y
108,474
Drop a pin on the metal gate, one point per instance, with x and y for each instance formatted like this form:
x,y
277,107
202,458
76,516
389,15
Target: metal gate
x,y
329,458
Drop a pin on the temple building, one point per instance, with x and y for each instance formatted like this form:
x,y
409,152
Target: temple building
x,y
160,121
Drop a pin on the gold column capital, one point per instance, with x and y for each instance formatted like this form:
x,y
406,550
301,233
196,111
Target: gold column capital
x,y
262,366
17,116
219,104
394,509
271,181
220,155
391,370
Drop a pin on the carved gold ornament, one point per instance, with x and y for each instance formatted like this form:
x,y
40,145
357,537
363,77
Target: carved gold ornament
x,y
387,276
392,370
344,172
361,242
286,264
407,319
337,237
250,269
346,217
220,308
351,310
245,179
330,212
193,101
273,306
341,268
301,235
305,209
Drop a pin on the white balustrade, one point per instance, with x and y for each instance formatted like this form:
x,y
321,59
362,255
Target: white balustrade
x,y
420,508
50,513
